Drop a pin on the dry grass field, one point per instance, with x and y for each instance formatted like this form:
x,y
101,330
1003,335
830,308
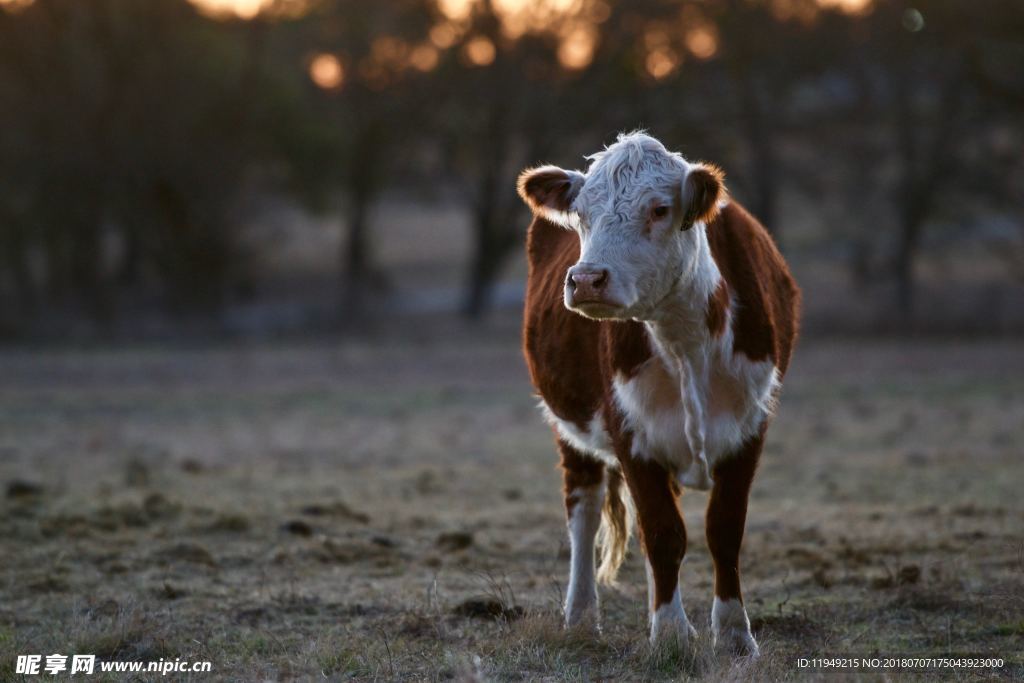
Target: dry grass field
x,y
390,510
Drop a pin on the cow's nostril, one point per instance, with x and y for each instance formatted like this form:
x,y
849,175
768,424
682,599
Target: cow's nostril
x,y
586,283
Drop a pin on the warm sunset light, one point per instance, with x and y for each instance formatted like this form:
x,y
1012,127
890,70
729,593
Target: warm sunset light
x,y
456,10
243,9
480,51
424,57
789,10
443,36
598,11
661,62
702,42
519,17
549,7
848,6
576,50
574,22
250,9
661,59
15,5
326,71
523,16
801,10
390,52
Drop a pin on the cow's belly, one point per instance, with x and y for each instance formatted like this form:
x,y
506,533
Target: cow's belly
x,y
739,398
591,439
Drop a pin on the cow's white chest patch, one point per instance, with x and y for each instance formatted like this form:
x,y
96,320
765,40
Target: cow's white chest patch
x,y
739,398
740,395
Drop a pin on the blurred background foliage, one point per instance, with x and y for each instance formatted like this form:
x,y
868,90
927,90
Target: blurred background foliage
x,y
142,144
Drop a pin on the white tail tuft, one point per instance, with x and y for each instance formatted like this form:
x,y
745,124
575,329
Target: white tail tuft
x,y
616,525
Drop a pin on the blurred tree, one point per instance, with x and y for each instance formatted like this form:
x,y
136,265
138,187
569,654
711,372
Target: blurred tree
x,y
936,115
367,62
133,126
995,49
133,135
501,110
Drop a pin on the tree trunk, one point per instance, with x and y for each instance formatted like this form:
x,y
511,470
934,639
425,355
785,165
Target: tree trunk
x,y
926,162
129,270
903,265
764,164
356,257
87,269
363,184
21,276
490,249
491,235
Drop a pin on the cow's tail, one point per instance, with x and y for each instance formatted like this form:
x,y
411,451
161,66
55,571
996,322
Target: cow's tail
x,y
616,524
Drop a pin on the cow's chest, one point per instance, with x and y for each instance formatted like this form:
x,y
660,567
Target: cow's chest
x,y
737,395
736,398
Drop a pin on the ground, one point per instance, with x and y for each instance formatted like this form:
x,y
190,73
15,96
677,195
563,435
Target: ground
x,y
388,507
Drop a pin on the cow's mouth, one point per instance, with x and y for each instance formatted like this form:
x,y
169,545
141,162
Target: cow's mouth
x,y
598,309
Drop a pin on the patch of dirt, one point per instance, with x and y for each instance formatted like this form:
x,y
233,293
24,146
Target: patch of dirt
x,y
19,488
336,509
454,541
485,608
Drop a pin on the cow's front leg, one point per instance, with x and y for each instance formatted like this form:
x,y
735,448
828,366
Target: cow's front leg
x,y
726,517
663,536
584,495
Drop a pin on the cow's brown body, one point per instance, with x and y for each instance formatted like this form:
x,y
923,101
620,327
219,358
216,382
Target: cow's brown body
x,y
573,361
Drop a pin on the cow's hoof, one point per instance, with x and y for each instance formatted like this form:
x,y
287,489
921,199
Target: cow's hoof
x,y
737,642
674,648
679,633
670,627
731,628
583,614
588,622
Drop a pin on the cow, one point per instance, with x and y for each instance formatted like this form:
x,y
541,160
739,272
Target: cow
x,y
659,321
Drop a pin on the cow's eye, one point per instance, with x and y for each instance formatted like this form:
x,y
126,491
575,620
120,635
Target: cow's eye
x,y
660,211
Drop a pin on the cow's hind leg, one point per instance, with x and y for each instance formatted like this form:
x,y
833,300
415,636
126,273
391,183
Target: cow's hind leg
x,y
663,536
726,518
583,477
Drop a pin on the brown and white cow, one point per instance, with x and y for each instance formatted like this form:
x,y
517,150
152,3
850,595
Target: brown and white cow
x,y
660,319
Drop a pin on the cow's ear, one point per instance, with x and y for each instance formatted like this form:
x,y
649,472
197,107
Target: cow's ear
x,y
703,189
550,191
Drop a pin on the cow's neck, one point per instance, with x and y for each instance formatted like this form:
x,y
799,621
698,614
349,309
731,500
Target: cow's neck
x,y
684,341
679,327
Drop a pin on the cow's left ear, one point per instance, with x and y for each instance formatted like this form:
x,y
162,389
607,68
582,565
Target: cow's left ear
x,y
550,190
703,189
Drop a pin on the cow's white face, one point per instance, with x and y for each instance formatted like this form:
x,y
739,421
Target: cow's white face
x,y
633,210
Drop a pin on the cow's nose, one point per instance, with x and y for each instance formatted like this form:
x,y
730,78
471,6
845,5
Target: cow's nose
x,y
590,279
587,283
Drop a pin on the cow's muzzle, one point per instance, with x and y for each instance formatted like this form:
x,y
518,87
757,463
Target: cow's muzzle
x,y
587,290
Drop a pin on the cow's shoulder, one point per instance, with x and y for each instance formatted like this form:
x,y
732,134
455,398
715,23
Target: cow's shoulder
x,y
766,297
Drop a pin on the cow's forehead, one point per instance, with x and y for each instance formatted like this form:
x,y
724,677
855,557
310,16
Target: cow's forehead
x,y
625,175
624,201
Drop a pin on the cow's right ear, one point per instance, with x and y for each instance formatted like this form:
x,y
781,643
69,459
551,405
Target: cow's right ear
x,y
550,191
